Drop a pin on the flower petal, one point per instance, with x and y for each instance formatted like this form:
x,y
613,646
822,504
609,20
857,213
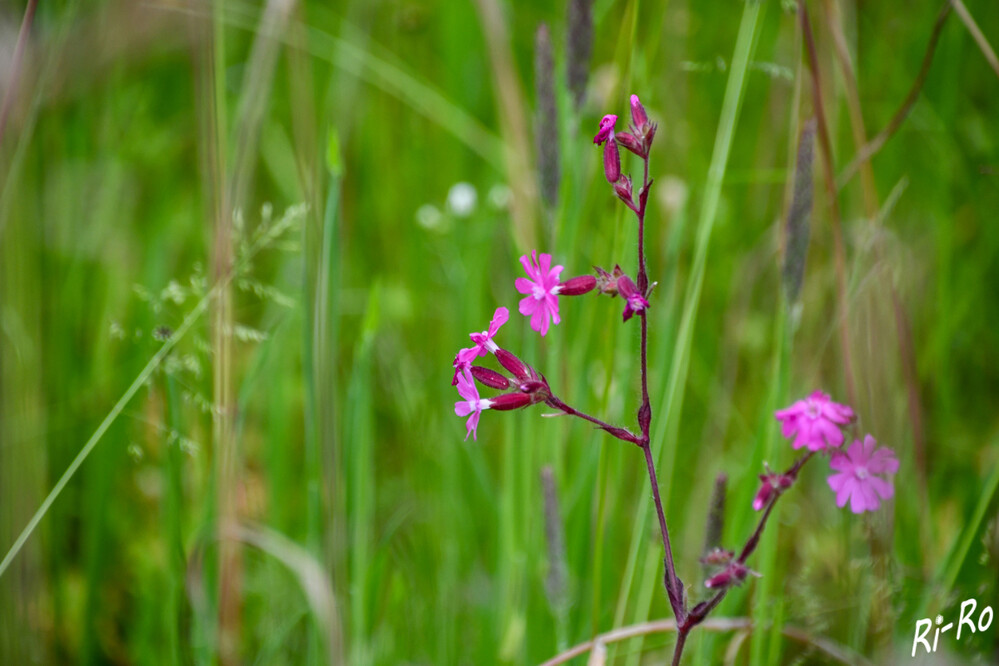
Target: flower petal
x,y
500,317
524,285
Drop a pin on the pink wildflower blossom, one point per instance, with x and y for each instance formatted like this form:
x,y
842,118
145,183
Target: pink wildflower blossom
x,y
634,301
542,289
606,130
856,481
484,344
814,422
472,403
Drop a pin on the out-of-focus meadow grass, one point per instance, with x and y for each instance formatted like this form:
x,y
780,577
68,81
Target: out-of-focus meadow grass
x,y
287,482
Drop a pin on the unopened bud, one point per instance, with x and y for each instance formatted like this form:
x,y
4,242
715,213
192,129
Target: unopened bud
x,y
612,162
650,134
490,378
631,142
622,188
764,494
513,365
638,115
733,574
509,401
577,286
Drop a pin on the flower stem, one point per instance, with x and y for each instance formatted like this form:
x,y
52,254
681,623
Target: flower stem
x,y
673,584
621,433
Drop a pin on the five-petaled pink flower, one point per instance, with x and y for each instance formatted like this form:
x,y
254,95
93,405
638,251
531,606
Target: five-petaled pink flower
x,y
856,481
484,344
541,302
814,422
606,130
472,403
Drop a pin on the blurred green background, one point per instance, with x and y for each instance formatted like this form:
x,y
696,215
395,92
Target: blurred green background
x,y
240,244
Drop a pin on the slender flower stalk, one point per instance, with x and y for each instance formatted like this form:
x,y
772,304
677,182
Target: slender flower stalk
x,y
863,471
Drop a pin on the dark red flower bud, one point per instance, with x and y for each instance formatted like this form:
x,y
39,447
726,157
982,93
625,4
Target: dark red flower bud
x,y
612,162
509,401
622,188
577,286
534,386
733,574
764,494
650,134
513,365
638,115
490,378
632,143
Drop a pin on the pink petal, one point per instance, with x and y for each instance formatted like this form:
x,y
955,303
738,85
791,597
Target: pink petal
x,y
841,463
837,481
528,306
501,316
856,453
789,427
544,264
883,462
858,500
832,434
881,487
553,278
539,320
471,425
848,488
865,499
524,286
528,268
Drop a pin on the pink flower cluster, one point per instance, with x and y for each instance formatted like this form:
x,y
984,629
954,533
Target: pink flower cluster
x,y
863,471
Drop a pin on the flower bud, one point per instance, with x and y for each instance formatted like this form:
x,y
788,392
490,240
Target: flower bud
x,y
612,162
764,494
490,378
632,143
622,188
733,574
650,134
638,115
508,401
514,365
577,286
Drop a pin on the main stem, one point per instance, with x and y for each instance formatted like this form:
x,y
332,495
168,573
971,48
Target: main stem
x,y
674,587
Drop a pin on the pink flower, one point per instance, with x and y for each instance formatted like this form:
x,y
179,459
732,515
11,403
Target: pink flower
x,y
606,130
484,344
471,404
634,301
541,303
815,420
856,481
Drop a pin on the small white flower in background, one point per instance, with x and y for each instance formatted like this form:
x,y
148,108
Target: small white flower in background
x,y
461,199
499,196
429,216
